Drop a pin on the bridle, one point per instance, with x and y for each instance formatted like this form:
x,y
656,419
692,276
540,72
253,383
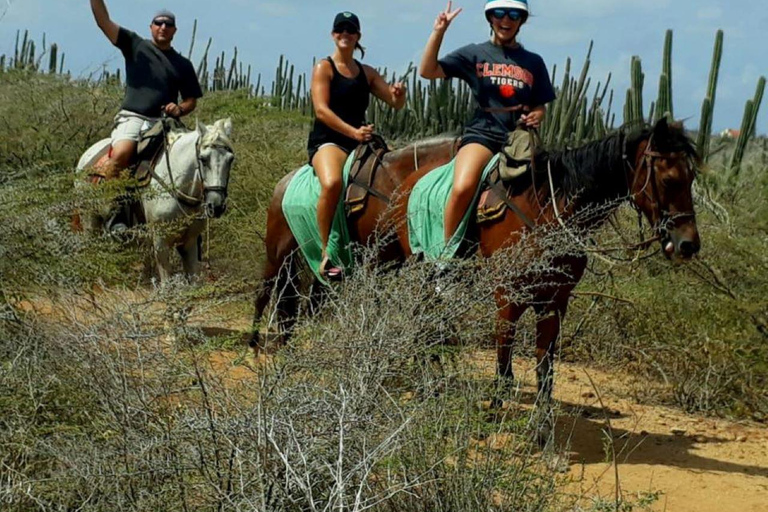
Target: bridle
x,y
650,188
182,197
221,189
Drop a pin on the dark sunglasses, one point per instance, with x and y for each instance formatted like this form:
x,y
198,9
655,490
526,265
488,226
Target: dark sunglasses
x,y
513,14
160,23
349,29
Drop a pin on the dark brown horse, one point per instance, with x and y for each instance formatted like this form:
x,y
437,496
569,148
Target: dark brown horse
x,y
652,167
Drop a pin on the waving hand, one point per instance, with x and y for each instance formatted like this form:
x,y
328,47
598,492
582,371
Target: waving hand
x,y
445,18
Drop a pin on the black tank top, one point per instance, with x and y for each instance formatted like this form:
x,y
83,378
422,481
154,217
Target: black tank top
x,y
349,100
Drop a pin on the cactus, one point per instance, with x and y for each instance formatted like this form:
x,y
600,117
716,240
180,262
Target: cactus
x,y
747,131
756,102
708,105
741,142
633,109
53,59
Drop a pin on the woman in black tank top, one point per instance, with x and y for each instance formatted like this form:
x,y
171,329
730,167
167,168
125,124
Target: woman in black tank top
x,y
340,94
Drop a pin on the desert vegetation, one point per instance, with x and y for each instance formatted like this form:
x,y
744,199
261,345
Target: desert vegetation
x,y
119,394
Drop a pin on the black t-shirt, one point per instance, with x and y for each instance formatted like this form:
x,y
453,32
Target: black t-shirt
x,y
499,77
154,77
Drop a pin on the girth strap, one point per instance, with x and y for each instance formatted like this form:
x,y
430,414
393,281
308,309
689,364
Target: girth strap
x,y
501,191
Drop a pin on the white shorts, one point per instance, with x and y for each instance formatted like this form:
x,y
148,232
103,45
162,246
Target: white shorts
x,y
130,125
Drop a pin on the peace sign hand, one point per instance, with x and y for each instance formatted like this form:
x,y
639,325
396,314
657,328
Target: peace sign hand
x,y
445,18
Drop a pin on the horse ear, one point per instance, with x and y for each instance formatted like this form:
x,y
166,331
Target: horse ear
x,y
228,127
661,128
200,128
224,126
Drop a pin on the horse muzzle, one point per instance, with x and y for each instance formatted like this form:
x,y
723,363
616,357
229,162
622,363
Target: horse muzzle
x,y
681,243
215,204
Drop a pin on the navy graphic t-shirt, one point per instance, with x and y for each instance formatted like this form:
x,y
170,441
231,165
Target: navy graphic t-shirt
x,y
499,77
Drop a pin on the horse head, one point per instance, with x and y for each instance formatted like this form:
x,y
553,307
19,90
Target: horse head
x,y
215,156
660,186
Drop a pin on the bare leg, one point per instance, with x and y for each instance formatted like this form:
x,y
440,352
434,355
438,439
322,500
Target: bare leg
x,y
328,163
470,163
122,153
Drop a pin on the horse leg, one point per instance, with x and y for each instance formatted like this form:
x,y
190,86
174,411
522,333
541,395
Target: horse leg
x,y
162,259
287,289
282,279
190,257
263,295
507,316
547,334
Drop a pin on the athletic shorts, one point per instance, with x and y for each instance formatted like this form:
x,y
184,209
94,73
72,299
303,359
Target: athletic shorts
x,y
130,126
471,138
313,151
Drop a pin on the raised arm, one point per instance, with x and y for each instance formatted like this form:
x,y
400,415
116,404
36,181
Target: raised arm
x,y
101,15
393,95
430,67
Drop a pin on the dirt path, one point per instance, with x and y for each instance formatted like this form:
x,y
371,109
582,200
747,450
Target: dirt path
x,y
696,464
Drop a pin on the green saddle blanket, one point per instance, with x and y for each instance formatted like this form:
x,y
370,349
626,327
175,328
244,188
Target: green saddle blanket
x,y
426,212
300,210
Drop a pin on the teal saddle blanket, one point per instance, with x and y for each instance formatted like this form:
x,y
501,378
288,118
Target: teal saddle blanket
x,y
300,210
426,212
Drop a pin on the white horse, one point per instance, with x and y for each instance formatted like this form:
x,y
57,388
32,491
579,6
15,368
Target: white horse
x,y
189,183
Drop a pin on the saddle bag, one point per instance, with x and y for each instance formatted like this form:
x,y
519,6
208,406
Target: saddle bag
x,y
516,154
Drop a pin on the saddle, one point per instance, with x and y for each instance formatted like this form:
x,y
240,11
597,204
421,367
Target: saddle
x,y
506,180
368,159
151,148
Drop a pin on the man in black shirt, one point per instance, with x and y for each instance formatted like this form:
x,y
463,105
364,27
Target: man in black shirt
x,y
156,77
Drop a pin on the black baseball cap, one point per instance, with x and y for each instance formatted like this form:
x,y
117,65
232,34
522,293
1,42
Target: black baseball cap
x,y
346,19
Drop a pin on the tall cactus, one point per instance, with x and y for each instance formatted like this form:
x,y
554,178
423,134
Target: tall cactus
x,y
708,105
748,124
756,102
633,111
741,142
53,61
664,99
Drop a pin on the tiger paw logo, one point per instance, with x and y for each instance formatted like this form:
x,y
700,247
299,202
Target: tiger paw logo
x,y
507,91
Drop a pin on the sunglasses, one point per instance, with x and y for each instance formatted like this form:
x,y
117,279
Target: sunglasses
x,y
160,23
349,29
512,14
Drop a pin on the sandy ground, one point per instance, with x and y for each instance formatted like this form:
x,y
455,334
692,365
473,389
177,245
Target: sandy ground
x,y
696,464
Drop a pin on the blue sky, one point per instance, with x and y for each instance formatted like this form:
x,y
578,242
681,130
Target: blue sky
x,y
394,32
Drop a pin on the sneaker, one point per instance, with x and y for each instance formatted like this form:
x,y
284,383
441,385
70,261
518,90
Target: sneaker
x,y
443,276
330,272
119,231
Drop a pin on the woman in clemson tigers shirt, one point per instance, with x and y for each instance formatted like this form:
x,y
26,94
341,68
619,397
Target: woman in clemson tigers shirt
x,y
510,84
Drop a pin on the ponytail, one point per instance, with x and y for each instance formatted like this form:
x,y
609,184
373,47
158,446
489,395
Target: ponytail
x,y
362,50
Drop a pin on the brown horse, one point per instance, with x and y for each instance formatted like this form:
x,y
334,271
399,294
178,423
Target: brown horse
x,y
652,167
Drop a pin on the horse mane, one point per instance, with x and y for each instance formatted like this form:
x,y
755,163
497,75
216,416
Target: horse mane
x,y
598,167
437,140
216,136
